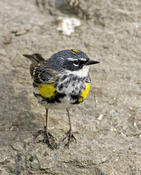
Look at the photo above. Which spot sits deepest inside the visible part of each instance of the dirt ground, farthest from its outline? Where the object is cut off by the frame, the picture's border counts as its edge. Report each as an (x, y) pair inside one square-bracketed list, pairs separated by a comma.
[(108, 124)]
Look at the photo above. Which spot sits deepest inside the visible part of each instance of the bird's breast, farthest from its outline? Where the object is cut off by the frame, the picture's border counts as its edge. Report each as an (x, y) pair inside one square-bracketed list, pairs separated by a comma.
[(68, 89), (75, 87)]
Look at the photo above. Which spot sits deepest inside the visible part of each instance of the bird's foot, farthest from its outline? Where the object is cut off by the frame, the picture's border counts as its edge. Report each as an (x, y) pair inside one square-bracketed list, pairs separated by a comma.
[(70, 138), (48, 138)]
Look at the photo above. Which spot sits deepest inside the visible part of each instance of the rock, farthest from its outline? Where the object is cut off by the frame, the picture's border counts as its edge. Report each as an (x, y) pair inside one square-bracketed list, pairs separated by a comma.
[(2, 52), (67, 25), (107, 125), (7, 39), (18, 146)]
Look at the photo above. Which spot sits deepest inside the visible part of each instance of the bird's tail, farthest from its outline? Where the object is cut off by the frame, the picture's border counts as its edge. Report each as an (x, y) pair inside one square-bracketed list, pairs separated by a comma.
[(35, 58)]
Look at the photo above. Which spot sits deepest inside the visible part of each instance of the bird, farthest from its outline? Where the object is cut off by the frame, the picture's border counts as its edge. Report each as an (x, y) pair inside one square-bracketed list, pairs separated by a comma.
[(60, 82)]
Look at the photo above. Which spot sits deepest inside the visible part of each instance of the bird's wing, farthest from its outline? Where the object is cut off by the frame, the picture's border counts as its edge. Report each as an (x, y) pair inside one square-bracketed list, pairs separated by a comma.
[(42, 74), (39, 69)]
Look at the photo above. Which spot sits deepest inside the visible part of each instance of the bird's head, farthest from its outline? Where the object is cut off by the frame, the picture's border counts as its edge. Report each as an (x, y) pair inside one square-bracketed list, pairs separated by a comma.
[(71, 60)]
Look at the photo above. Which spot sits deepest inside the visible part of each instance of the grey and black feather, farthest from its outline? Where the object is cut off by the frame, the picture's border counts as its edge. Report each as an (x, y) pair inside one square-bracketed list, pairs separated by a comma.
[(39, 70)]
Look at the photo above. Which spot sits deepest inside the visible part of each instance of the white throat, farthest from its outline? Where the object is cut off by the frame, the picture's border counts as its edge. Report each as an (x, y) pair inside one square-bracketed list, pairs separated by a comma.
[(80, 73)]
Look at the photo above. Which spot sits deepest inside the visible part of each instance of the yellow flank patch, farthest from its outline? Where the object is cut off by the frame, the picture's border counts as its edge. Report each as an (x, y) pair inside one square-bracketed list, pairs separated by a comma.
[(84, 93), (47, 90), (75, 51)]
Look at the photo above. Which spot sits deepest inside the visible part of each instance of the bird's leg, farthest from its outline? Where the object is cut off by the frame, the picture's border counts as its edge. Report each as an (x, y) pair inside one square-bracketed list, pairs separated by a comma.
[(46, 120), (70, 137), (45, 127), (48, 138)]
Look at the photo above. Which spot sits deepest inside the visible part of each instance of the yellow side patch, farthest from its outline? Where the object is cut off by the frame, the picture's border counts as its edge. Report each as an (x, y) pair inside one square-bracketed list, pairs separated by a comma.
[(84, 93), (74, 51), (47, 90)]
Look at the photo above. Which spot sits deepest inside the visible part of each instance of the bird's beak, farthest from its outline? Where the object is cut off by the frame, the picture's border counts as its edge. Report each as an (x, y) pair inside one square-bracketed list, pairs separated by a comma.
[(92, 62)]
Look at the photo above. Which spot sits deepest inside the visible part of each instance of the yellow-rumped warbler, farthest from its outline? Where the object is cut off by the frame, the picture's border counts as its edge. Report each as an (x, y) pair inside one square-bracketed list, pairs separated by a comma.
[(62, 81)]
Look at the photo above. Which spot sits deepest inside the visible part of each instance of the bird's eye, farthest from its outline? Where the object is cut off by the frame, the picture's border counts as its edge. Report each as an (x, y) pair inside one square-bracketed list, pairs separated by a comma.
[(76, 63)]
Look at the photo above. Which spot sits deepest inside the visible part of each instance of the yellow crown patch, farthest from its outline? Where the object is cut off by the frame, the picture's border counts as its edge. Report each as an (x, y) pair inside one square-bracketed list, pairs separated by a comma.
[(75, 51)]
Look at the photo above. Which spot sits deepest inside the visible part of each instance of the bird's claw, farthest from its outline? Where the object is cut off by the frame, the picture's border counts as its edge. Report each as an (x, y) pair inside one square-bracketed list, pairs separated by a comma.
[(48, 139), (70, 138)]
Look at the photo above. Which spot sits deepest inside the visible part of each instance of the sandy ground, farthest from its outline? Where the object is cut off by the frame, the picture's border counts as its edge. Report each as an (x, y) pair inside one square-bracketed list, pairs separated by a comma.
[(107, 127)]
